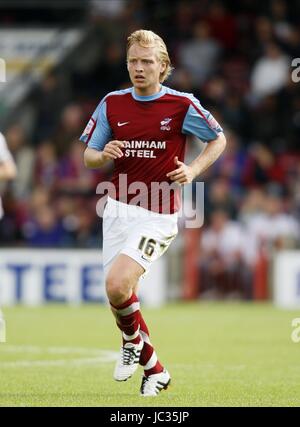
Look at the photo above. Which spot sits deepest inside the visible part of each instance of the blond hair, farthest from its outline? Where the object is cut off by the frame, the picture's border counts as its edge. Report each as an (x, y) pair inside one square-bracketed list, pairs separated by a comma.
[(146, 38)]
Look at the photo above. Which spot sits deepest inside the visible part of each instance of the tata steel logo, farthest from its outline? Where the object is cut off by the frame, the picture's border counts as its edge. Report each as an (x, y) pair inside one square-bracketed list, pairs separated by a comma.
[(2, 71)]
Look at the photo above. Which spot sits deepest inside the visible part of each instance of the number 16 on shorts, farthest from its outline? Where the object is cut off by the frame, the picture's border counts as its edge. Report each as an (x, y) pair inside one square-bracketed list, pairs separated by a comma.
[(148, 245)]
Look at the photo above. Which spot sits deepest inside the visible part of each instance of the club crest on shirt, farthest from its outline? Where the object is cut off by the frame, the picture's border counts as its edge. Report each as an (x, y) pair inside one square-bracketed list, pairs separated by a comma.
[(89, 127), (165, 124)]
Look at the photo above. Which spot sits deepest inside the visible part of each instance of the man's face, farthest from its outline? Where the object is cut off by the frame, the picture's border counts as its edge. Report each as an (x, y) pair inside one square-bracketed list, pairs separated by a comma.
[(144, 68)]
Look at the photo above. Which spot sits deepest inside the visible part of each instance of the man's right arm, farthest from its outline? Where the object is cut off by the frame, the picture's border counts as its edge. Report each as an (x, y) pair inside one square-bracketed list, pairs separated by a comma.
[(97, 135), (95, 159)]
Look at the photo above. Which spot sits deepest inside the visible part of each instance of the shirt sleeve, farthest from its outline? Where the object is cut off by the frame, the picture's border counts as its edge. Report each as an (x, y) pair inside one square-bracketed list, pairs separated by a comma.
[(200, 122), (97, 132), (5, 154)]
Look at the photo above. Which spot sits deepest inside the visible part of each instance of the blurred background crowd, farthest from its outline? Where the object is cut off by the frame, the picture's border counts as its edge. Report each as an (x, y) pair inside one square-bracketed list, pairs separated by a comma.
[(236, 59)]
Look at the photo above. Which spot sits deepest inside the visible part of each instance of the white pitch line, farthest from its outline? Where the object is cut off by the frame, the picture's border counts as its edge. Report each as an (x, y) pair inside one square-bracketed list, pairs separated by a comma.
[(97, 356), (55, 350), (63, 362), (208, 366)]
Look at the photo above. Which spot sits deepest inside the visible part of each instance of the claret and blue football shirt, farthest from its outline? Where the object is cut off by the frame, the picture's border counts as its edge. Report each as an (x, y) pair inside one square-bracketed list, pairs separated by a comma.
[(154, 130)]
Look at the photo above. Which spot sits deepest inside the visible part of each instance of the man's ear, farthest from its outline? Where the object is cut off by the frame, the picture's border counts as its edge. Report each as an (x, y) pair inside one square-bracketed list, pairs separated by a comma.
[(163, 67)]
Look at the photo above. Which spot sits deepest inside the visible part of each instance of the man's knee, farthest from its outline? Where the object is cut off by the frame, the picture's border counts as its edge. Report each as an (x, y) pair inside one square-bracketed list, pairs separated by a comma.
[(118, 287)]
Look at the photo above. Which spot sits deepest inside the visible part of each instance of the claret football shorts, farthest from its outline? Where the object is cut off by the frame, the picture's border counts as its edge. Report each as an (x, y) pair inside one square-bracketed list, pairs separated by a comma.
[(136, 232)]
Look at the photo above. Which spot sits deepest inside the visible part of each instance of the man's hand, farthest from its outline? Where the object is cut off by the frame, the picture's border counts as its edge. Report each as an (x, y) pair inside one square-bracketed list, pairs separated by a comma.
[(183, 174), (112, 150), (96, 159)]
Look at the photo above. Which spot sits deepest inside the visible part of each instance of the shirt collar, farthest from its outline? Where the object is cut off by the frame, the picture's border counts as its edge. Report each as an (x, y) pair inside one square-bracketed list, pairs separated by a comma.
[(149, 97)]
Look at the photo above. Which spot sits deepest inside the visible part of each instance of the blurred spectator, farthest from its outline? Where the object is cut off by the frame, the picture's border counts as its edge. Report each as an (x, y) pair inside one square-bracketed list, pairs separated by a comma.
[(43, 229), (39, 197), (103, 10), (263, 31), (215, 91), (72, 176), (271, 71), (112, 65), (266, 122), (273, 226), (87, 232), (232, 162), (282, 28), (234, 112), (24, 157), (223, 25), (184, 18), (262, 167), (253, 204), (48, 101), (200, 54), (222, 265), (181, 80), (292, 42), (236, 71), (220, 197), (46, 168), (69, 128)]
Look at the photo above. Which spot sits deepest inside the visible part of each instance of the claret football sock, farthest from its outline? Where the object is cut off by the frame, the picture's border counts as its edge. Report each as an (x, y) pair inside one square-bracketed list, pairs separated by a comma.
[(128, 319), (134, 328), (148, 358)]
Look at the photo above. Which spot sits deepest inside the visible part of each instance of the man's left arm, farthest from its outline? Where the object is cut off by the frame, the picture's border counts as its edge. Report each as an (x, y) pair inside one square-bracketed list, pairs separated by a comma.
[(200, 123), (185, 174)]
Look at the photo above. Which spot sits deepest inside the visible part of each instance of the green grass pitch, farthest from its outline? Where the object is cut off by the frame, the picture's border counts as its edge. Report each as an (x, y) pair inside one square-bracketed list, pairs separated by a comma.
[(219, 354)]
